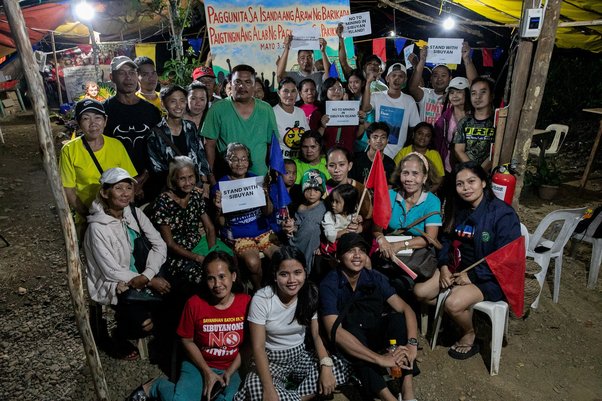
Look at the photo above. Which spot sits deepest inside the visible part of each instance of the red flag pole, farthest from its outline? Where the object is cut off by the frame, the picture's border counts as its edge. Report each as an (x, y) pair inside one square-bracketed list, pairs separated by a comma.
[(359, 205)]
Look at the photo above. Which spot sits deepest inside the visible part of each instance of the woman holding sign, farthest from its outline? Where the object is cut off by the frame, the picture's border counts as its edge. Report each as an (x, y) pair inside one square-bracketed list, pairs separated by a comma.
[(247, 230), (343, 136)]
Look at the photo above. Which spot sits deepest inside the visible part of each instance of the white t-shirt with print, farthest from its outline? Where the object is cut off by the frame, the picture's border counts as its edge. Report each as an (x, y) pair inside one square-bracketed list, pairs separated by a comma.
[(399, 113), (431, 106), (290, 128)]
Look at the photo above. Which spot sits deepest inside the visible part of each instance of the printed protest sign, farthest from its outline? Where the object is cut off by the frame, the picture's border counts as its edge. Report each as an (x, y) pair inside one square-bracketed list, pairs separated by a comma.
[(242, 194), (306, 39), (253, 31), (406, 54), (356, 25), (343, 112), (444, 51)]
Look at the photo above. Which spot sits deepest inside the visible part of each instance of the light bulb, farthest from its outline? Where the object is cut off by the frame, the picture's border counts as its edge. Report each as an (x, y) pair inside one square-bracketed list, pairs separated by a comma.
[(84, 11), (449, 23)]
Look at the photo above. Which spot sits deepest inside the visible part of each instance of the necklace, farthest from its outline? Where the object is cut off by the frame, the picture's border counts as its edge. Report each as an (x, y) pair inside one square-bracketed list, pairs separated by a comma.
[(153, 94)]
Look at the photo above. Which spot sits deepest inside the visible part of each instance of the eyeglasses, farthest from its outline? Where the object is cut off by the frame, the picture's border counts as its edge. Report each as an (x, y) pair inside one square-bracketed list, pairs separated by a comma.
[(236, 160), (336, 89)]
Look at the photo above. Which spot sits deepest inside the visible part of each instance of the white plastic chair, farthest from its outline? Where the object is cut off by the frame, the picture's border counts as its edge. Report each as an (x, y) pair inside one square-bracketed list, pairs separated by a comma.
[(588, 236), (542, 249), (497, 312), (560, 132)]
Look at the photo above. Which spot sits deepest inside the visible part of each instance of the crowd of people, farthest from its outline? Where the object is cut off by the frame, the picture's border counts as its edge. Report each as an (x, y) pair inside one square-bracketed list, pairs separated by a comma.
[(313, 284)]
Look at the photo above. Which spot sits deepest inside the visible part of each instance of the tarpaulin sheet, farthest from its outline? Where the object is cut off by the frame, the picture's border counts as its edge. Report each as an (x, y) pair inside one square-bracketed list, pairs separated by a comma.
[(585, 37)]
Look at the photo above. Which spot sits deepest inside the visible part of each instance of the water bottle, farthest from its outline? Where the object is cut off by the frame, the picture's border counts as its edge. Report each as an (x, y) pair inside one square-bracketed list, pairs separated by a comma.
[(395, 371)]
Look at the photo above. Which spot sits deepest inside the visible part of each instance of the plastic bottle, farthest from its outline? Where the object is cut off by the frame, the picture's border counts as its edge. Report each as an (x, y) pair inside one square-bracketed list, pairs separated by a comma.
[(395, 371)]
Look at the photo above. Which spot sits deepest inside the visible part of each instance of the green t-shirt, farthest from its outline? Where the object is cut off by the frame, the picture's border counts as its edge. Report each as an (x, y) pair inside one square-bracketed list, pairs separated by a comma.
[(477, 135), (302, 167), (225, 126)]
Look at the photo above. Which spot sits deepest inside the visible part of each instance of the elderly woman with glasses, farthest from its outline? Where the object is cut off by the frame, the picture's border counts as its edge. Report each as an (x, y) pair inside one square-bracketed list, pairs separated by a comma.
[(248, 230), (341, 135)]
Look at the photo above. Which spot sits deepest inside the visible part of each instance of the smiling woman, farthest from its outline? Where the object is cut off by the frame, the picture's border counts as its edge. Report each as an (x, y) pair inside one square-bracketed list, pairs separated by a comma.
[(279, 317), (85, 158)]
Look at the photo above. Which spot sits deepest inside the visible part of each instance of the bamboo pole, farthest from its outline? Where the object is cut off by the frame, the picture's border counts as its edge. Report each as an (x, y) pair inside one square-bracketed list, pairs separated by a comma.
[(40, 108), (537, 83), (56, 68)]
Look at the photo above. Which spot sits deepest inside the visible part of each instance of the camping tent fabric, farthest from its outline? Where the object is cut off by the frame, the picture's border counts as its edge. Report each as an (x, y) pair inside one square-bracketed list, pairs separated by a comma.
[(509, 12)]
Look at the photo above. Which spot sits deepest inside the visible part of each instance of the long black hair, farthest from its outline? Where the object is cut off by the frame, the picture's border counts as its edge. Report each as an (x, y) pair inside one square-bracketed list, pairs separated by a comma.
[(458, 205), (307, 297)]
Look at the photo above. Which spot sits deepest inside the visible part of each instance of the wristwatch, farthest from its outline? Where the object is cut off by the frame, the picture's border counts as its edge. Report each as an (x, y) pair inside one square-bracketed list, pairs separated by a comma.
[(326, 361), (406, 244), (413, 341)]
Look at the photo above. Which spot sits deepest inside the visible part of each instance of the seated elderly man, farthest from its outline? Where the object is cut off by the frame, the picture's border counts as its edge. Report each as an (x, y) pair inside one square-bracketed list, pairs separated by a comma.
[(361, 313)]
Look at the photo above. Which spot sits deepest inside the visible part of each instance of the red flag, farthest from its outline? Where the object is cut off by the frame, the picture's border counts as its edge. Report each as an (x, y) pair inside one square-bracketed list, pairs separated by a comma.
[(487, 57), (377, 180), (508, 265), (379, 48)]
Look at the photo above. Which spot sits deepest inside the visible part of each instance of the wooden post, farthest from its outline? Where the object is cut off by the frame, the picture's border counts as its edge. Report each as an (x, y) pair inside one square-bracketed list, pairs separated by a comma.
[(517, 97), (537, 83), (40, 108), (56, 68), (518, 86)]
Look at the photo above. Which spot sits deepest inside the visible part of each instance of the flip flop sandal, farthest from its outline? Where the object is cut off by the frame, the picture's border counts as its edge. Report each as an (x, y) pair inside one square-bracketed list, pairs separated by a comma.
[(472, 351)]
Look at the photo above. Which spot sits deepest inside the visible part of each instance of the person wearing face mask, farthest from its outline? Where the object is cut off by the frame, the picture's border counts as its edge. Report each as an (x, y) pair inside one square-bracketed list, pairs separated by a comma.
[(393, 107)]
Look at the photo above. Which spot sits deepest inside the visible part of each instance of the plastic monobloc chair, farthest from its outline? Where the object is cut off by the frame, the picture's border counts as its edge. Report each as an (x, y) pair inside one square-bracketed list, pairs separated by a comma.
[(588, 236), (560, 132), (542, 249), (497, 312)]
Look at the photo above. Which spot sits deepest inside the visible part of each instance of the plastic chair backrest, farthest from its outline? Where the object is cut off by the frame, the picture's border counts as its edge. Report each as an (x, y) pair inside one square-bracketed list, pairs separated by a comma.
[(525, 233), (569, 217), (560, 132), (593, 226)]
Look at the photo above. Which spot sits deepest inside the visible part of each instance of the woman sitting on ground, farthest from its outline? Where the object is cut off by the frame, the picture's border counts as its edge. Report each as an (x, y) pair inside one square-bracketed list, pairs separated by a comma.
[(247, 230), (181, 216), (211, 330), (111, 266), (416, 213), (279, 317), (480, 225)]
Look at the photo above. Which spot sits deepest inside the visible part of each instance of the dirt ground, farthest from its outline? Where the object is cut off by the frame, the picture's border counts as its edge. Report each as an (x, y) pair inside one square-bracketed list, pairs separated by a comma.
[(555, 354)]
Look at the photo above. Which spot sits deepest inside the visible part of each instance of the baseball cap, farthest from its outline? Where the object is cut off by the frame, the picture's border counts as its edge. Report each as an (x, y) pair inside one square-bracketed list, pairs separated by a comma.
[(457, 83), (396, 67), (202, 71), (349, 241), (115, 175), (313, 179), (91, 105), (120, 61)]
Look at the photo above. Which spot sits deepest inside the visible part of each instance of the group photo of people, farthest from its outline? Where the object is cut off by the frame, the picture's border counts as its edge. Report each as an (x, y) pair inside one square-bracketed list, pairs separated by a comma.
[(238, 228)]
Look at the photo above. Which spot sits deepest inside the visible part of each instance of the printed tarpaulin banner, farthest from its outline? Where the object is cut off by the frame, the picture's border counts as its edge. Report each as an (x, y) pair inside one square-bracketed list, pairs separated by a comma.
[(253, 31)]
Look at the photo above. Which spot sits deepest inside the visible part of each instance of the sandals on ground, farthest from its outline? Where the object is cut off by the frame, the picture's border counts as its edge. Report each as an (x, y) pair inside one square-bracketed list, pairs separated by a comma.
[(473, 349)]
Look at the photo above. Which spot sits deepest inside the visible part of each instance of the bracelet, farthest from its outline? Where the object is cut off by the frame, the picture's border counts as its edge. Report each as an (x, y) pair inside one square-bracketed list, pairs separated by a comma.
[(326, 361)]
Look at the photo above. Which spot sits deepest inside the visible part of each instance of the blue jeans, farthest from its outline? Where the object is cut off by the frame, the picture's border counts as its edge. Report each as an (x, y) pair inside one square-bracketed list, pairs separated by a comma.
[(190, 386)]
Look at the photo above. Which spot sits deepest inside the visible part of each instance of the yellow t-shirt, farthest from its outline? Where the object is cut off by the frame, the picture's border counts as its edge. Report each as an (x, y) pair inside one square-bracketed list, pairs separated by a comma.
[(79, 171), (433, 156), (155, 102)]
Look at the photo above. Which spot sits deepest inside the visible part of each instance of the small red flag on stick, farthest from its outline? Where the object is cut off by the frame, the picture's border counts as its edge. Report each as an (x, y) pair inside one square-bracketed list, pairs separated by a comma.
[(508, 265), (377, 180)]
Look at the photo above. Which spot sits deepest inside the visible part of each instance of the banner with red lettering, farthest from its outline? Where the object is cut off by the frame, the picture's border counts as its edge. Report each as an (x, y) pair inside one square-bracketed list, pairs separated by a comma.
[(253, 31)]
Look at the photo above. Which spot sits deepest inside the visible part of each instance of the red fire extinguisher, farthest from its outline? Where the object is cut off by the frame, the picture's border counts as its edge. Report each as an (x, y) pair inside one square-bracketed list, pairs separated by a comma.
[(503, 183)]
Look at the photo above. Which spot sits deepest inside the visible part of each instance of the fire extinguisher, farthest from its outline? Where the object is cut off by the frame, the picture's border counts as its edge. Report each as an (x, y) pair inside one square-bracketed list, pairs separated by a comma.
[(503, 183)]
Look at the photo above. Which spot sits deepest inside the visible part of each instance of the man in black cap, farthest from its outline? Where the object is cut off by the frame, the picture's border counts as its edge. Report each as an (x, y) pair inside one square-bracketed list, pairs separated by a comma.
[(131, 119), (354, 306)]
